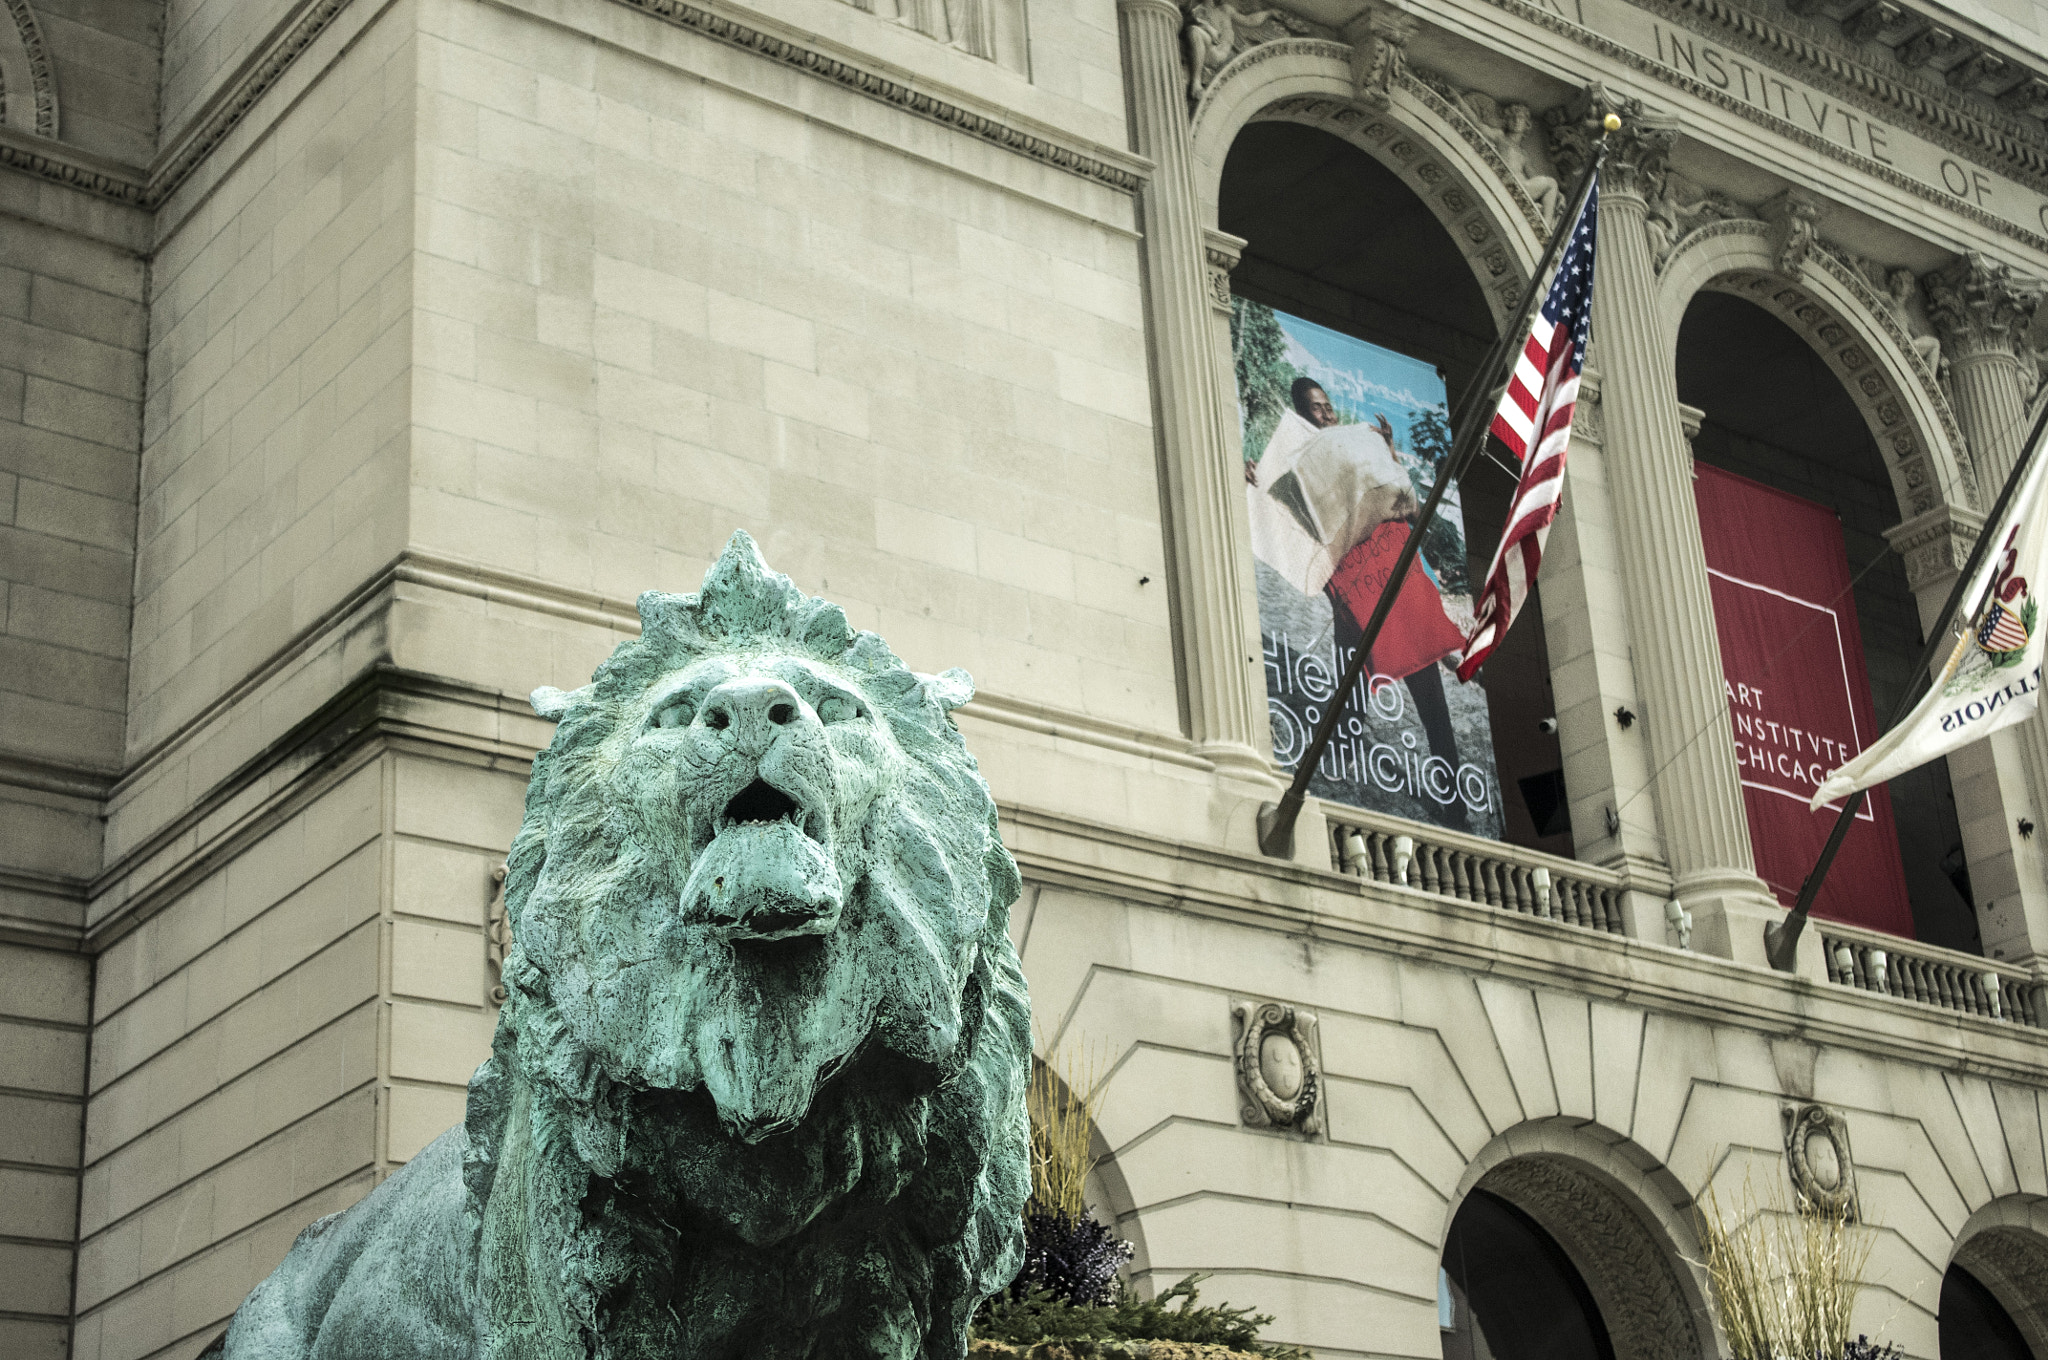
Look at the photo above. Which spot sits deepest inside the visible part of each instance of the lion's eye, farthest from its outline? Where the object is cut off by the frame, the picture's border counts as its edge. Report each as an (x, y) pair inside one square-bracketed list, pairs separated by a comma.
[(675, 713), (837, 708)]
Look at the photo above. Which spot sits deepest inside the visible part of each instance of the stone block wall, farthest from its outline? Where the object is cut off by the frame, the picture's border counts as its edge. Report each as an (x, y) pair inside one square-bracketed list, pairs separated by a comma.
[(275, 1040), (236, 1045), (44, 998), (72, 326), (664, 292), (104, 60), (280, 337)]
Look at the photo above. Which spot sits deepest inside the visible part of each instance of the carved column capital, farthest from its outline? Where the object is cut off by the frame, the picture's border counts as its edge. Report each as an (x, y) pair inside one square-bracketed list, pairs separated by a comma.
[(1981, 307), (1637, 152), (1379, 40), (1795, 217), (1223, 252), (1690, 418), (1936, 545)]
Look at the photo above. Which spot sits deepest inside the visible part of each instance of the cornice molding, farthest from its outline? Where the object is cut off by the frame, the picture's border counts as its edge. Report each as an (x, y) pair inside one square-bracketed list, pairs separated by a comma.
[(222, 114), (1946, 115), (1121, 174), (1636, 61), (1400, 922), (73, 168), (23, 771)]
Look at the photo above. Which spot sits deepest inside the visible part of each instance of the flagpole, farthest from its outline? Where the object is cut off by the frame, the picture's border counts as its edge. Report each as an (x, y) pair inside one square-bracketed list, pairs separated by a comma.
[(1781, 938), (1276, 820)]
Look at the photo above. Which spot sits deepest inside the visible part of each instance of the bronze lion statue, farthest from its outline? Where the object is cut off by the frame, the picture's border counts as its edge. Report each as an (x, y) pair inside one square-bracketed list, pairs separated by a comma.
[(757, 1088)]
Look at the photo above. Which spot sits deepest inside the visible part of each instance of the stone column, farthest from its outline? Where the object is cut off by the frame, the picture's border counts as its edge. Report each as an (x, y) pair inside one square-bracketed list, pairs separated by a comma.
[(1663, 568), (1983, 313), (1215, 599), (1585, 624)]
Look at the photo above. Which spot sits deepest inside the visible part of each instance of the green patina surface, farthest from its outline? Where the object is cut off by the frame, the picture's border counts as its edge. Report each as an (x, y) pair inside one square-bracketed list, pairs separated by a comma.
[(758, 1088)]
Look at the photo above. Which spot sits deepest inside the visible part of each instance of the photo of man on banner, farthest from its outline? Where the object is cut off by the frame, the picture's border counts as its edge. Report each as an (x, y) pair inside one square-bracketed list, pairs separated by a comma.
[(1332, 502)]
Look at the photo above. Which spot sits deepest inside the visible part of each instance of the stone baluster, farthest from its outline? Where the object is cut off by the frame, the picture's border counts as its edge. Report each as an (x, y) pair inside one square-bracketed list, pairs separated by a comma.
[(1215, 599), (1663, 567), (1983, 314)]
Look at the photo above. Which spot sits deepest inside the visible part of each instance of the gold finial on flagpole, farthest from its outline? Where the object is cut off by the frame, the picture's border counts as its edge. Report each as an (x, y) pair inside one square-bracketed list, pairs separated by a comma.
[(1612, 122)]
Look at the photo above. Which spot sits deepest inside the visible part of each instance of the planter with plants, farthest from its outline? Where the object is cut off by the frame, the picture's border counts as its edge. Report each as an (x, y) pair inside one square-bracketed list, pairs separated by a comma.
[(1067, 1302), (1786, 1280)]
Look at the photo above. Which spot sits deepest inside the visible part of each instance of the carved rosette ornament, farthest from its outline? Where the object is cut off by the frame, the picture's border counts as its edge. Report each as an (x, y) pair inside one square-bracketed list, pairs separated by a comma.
[(1817, 1158), (1278, 1080), (1981, 308)]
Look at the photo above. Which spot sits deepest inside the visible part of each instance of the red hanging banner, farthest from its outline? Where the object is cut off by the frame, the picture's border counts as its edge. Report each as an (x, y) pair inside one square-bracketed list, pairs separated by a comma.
[(1798, 693)]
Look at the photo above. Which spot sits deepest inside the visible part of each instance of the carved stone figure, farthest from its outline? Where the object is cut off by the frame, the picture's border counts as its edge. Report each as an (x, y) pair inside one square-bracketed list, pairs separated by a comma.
[(1817, 1158), (1679, 207), (1903, 290), (1215, 31), (1505, 126), (758, 1083), (1277, 1075)]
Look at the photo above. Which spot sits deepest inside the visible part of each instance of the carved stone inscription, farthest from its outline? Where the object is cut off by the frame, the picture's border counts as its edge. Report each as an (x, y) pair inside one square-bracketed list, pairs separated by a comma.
[(1731, 78)]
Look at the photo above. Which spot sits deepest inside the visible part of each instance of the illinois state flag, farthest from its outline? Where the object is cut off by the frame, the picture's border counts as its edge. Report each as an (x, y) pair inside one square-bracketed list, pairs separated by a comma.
[(1992, 678)]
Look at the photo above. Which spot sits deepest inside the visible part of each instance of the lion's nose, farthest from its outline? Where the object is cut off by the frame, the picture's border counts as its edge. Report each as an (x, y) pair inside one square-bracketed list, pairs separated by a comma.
[(752, 710)]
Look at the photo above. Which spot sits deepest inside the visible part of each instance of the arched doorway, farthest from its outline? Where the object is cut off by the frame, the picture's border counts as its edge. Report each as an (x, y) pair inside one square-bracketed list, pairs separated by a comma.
[(1338, 239), (1994, 1296), (1974, 1324), (1508, 1291), (1803, 434), (1556, 1193)]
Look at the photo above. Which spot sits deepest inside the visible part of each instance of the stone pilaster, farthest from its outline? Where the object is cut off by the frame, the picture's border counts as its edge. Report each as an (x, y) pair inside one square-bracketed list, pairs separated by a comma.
[(1585, 624), (1215, 600), (1983, 313), (1663, 568)]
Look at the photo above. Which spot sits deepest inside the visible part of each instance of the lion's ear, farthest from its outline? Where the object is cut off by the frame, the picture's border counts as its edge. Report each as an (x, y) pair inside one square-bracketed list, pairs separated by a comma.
[(949, 689), (550, 702)]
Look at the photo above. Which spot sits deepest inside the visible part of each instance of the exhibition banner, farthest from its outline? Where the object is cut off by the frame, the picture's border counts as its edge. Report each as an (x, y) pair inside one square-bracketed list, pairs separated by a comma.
[(1798, 693), (1343, 441)]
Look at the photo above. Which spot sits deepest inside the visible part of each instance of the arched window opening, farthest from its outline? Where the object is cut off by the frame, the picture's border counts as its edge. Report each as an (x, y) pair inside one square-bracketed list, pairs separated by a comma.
[(1341, 251), (1775, 416), (1507, 1291), (1974, 1325)]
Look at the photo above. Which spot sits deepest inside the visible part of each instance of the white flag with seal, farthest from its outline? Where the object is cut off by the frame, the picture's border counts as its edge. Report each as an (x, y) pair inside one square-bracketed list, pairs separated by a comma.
[(1992, 678)]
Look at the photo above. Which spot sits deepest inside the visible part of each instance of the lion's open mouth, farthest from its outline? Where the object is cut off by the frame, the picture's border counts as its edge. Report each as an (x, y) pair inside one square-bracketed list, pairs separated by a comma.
[(761, 801)]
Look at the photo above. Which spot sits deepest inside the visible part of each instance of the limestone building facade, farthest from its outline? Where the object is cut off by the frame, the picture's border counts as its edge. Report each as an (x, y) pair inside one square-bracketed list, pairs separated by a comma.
[(360, 360)]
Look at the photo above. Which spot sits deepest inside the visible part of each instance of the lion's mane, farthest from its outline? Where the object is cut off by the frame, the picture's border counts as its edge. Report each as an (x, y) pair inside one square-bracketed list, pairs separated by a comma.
[(812, 1147)]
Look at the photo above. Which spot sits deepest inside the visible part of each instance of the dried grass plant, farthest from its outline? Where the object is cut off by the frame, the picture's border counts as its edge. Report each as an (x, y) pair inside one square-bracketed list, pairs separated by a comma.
[(1062, 1099), (1786, 1278)]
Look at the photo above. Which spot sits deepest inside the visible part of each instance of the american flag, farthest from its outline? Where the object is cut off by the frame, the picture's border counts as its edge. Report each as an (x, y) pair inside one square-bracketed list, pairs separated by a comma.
[(1535, 420), (2002, 630)]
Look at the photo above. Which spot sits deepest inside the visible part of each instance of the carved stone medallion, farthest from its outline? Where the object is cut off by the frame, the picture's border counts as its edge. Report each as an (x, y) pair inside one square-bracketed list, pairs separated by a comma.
[(1278, 1081), (1817, 1158)]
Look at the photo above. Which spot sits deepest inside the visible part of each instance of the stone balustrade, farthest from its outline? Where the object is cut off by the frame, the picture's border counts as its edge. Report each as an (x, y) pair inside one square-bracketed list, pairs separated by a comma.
[(1386, 850), (1930, 975)]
